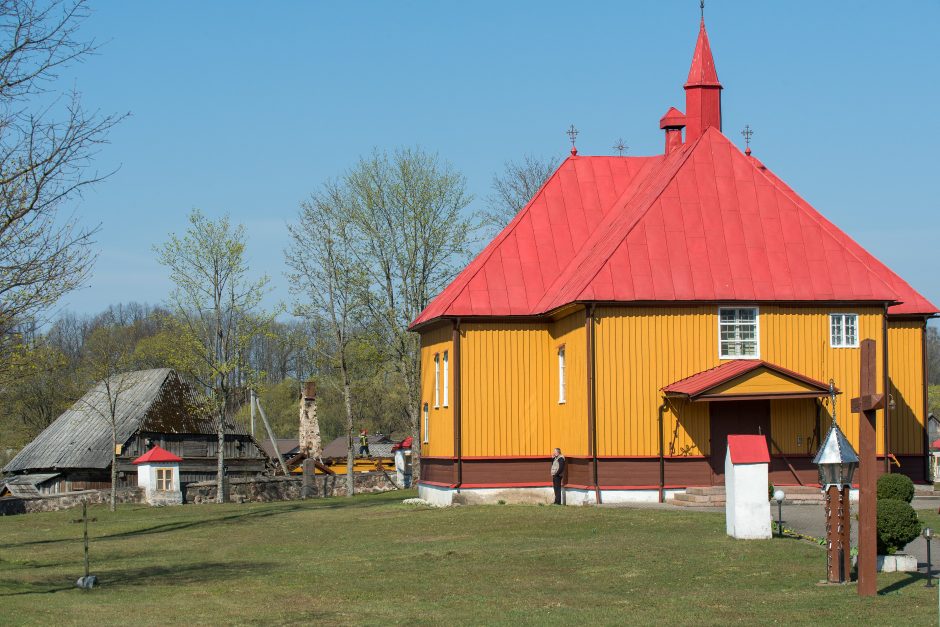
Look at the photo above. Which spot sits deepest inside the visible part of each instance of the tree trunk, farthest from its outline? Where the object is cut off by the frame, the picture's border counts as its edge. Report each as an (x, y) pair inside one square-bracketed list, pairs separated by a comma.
[(411, 367), (220, 480), (347, 400), (114, 471)]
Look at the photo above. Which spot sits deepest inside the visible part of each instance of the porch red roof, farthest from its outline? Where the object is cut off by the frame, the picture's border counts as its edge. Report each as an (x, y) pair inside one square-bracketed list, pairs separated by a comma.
[(157, 454), (748, 449), (701, 382)]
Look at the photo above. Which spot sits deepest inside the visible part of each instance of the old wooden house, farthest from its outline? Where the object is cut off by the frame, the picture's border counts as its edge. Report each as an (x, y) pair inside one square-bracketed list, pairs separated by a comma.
[(641, 308), (153, 407)]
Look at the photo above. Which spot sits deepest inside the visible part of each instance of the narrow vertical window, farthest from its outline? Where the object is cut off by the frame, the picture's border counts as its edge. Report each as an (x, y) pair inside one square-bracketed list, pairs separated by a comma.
[(437, 380), (425, 423), (446, 380), (561, 374), (843, 330)]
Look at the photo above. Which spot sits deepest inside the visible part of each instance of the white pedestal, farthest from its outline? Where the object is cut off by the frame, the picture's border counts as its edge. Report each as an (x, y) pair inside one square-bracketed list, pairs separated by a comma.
[(747, 507)]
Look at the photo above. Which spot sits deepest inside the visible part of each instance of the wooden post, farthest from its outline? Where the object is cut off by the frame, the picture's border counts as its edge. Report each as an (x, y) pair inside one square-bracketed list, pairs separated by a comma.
[(85, 524), (307, 483), (867, 404), (838, 542)]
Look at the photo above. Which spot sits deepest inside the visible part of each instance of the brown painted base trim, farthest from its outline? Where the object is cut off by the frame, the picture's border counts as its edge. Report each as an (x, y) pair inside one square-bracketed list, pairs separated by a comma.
[(626, 473)]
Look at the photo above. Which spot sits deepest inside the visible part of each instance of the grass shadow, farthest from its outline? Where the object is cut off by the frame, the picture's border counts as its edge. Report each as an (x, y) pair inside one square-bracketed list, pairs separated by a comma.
[(152, 575), (911, 579)]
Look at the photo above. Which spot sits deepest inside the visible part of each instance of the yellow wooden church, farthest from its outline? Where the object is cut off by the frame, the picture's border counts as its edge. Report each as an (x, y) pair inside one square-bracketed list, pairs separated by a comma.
[(640, 309)]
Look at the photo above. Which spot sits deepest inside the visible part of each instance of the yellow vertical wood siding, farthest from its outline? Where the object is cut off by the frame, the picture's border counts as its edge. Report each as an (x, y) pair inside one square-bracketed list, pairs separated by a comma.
[(510, 388), (642, 349), (440, 420), (906, 373)]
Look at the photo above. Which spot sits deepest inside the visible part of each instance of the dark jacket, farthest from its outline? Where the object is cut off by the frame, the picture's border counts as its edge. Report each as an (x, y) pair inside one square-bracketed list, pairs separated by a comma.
[(558, 466)]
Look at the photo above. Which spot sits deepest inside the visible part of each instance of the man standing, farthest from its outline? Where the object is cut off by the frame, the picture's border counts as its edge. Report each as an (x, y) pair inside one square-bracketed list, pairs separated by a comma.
[(364, 443), (558, 472)]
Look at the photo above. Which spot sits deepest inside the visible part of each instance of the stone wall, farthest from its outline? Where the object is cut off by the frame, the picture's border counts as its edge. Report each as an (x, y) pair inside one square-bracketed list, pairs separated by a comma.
[(10, 505), (263, 489)]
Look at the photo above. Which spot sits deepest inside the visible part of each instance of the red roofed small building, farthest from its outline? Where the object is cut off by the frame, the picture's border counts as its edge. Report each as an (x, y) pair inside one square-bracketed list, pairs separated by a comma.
[(638, 310), (158, 473)]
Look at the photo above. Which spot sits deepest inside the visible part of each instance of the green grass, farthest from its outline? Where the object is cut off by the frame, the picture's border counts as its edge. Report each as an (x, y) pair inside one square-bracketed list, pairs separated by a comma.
[(374, 560)]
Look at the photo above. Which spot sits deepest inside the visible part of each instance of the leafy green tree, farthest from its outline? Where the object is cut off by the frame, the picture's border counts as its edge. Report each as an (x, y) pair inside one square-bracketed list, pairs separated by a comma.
[(218, 308), (408, 212), (329, 285)]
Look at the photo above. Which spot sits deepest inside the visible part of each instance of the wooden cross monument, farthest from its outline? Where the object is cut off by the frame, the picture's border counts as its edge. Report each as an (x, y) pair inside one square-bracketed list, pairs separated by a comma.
[(867, 404)]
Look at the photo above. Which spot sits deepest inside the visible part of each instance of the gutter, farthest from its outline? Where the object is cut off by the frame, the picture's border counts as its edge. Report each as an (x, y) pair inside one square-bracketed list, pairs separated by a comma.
[(591, 399), (662, 454), (458, 444)]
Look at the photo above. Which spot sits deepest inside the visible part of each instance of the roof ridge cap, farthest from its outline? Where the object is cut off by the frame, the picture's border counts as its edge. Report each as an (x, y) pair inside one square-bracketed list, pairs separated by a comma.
[(478, 262), (684, 153)]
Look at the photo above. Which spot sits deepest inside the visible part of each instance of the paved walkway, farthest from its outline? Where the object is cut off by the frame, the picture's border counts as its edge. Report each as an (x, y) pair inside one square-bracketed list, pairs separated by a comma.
[(810, 520)]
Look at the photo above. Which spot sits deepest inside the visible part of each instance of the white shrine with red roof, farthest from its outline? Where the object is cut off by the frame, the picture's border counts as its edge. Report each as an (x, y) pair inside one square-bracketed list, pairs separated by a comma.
[(638, 310), (158, 473)]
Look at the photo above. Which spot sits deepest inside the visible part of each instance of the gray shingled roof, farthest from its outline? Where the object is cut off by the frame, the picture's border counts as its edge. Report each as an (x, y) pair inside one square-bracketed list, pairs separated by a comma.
[(379, 446), (150, 400)]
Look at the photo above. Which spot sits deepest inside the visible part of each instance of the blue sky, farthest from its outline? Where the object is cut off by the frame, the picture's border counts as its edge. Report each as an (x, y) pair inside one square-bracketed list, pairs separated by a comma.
[(246, 108)]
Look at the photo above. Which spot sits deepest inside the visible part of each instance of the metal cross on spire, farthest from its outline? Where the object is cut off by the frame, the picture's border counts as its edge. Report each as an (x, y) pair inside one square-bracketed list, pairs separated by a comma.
[(747, 132), (701, 6), (572, 135), (621, 147)]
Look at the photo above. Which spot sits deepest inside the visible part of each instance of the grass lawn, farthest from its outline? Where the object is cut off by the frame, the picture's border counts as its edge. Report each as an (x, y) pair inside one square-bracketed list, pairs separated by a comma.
[(374, 560)]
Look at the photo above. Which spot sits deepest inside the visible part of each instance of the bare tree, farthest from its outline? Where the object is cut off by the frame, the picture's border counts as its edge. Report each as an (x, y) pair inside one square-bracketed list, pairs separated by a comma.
[(216, 306), (47, 141), (328, 281), (109, 351), (514, 187), (408, 211)]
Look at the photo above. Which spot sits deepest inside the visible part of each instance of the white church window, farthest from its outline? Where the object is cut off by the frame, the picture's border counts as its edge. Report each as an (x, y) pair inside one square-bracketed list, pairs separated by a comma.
[(425, 423), (437, 380), (446, 380), (561, 374), (738, 333), (843, 330)]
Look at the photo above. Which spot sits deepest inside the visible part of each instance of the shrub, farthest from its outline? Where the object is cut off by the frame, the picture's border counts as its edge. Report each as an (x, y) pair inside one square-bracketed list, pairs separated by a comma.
[(897, 525), (897, 487)]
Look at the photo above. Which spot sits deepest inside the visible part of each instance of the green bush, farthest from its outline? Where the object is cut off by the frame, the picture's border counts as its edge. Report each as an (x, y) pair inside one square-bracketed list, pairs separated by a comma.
[(897, 525), (897, 487)]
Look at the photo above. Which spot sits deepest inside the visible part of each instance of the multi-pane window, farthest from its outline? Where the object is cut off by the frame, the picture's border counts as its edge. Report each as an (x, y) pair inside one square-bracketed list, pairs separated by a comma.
[(737, 333), (164, 479), (437, 380), (425, 423), (446, 380), (843, 330), (561, 374)]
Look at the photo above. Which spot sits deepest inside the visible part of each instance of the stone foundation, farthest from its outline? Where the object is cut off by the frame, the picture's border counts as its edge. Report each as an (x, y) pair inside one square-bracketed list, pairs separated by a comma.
[(264, 489), (18, 505)]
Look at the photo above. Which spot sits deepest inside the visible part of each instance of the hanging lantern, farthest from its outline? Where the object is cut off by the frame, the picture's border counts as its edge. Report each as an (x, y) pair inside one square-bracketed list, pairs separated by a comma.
[(836, 458)]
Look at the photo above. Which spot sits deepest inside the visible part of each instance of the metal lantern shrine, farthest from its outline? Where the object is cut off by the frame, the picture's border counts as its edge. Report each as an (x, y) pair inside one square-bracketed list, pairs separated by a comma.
[(836, 458), (837, 462)]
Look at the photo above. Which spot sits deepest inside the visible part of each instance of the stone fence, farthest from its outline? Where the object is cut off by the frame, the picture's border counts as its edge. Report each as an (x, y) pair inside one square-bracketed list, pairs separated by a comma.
[(263, 489), (10, 505)]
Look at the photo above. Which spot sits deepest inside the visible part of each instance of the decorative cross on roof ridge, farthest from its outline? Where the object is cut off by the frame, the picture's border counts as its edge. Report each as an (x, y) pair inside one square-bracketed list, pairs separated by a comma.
[(572, 133), (747, 132), (701, 6), (620, 146)]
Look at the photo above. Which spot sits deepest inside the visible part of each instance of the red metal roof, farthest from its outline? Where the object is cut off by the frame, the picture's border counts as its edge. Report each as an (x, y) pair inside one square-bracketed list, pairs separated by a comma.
[(701, 382), (157, 454), (702, 72), (704, 223), (748, 449)]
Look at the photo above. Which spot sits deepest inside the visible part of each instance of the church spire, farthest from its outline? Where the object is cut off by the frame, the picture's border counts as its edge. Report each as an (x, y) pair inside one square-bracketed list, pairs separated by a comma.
[(702, 90)]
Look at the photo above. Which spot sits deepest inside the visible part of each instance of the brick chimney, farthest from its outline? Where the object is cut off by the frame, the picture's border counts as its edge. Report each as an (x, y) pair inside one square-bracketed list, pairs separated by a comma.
[(673, 123)]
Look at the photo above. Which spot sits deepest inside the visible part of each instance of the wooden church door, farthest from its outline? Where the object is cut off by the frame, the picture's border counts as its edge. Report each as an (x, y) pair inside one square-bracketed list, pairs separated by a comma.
[(734, 418)]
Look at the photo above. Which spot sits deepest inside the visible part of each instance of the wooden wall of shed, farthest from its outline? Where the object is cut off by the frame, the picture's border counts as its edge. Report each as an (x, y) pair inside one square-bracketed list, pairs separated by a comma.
[(906, 377)]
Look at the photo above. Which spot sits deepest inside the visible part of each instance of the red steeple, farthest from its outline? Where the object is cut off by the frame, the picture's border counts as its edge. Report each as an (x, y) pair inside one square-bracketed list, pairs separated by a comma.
[(702, 90)]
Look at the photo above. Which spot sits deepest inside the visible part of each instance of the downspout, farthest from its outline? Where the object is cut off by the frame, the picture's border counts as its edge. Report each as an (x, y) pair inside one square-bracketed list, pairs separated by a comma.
[(923, 338), (887, 389), (662, 454), (591, 400), (458, 445)]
